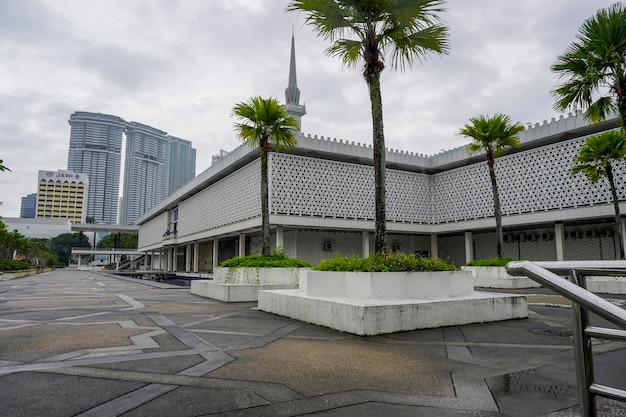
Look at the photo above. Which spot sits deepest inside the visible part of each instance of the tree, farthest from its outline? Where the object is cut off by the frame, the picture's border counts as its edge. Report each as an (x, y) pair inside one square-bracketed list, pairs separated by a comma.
[(406, 30), (126, 240), (265, 124), (593, 68), (2, 167), (493, 135), (62, 245), (595, 160)]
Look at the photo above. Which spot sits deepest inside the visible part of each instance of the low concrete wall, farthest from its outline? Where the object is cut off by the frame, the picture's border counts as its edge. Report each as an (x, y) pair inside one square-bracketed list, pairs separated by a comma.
[(497, 277), (607, 285), (256, 275), (7, 275), (244, 284)]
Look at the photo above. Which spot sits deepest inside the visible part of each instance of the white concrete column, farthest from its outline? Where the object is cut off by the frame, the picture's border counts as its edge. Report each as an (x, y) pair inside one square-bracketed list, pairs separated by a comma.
[(196, 254), (365, 243), (242, 244), (145, 261), (188, 258), (279, 237), (174, 259), (79, 259), (161, 260), (434, 246), (623, 234), (559, 239), (215, 252), (469, 247)]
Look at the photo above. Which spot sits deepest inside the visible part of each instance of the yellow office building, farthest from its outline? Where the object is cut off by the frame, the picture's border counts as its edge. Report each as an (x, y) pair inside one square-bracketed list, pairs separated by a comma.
[(62, 195)]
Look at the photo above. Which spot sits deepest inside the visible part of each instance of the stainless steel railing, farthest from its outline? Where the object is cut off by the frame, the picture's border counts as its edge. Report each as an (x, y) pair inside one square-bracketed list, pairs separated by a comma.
[(550, 275)]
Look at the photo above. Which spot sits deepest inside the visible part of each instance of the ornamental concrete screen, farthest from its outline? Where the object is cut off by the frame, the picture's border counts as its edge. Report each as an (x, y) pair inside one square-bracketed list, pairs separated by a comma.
[(322, 203)]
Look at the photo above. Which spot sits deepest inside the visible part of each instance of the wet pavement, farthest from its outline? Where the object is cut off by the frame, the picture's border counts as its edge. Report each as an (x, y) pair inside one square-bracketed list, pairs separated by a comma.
[(78, 343)]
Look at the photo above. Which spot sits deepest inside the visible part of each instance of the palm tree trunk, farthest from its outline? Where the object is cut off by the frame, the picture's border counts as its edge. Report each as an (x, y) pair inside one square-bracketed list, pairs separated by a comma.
[(380, 241), (618, 216), (496, 204), (265, 212)]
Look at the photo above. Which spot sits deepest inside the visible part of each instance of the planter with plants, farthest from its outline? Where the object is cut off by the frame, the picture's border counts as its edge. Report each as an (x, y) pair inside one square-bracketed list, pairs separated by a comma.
[(491, 273), (380, 295), (241, 278)]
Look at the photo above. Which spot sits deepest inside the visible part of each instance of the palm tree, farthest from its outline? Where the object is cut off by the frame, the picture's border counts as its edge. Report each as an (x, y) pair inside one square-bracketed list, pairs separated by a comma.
[(595, 160), (594, 67), (407, 30), (493, 135), (265, 124)]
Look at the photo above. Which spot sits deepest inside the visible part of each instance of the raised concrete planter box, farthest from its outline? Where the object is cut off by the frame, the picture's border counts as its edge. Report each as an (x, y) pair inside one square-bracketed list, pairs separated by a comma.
[(497, 277), (378, 303), (607, 285), (244, 284)]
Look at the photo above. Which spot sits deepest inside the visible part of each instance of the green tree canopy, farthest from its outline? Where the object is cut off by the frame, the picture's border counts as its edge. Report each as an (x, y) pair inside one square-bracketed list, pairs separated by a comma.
[(126, 240), (62, 245), (265, 124), (593, 67), (371, 31), (596, 159), (493, 135)]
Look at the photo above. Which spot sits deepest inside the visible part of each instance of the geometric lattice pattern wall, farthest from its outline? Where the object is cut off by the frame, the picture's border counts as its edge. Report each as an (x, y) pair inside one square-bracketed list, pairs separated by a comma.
[(319, 187), (152, 232), (530, 181), (234, 198)]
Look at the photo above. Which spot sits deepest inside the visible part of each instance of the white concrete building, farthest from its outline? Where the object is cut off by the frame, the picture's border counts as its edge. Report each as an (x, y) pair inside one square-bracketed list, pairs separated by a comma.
[(321, 203)]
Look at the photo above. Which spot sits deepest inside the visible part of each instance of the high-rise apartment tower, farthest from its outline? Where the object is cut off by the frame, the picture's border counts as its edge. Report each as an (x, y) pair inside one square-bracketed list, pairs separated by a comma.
[(96, 150)]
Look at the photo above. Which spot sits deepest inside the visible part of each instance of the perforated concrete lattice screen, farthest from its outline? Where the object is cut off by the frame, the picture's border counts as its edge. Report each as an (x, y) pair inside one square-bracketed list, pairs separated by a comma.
[(232, 199), (318, 187), (530, 181)]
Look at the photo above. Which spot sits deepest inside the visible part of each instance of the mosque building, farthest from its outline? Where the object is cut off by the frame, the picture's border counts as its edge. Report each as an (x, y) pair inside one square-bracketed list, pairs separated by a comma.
[(321, 199)]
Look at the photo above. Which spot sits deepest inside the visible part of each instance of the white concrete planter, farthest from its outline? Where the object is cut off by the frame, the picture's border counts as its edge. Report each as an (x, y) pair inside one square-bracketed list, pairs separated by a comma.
[(497, 277), (378, 303), (607, 285), (244, 284)]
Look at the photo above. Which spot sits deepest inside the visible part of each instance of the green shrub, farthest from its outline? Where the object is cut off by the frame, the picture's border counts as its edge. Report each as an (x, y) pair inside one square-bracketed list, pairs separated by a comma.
[(277, 259), (490, 262), (11, 265), (395, 262)]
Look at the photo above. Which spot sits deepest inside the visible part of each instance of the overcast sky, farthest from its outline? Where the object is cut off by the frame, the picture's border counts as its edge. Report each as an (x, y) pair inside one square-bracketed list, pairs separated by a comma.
[(180, 66)]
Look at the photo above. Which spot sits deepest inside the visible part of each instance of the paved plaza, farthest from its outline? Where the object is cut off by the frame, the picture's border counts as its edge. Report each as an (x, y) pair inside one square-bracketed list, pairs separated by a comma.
[(78, 343)]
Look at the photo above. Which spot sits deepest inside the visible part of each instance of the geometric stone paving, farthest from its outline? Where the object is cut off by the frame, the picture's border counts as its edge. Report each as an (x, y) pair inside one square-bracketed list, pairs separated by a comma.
[(76, 343)]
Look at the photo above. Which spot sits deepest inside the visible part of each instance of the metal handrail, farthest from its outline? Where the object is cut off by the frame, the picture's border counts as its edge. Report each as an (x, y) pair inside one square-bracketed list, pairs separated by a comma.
[(583, 302)]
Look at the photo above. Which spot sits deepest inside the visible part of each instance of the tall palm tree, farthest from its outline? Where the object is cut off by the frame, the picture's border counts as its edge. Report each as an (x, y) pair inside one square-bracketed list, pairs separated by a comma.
[(265, 124), (595, 160), (406, 30), (593, 67), (493, 135)]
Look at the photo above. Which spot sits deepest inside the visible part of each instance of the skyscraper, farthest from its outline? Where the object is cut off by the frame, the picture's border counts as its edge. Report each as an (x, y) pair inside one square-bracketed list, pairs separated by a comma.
[(28, 209), (62, 195), (96, 150), (145, 170), (181, 164), (292, 92)]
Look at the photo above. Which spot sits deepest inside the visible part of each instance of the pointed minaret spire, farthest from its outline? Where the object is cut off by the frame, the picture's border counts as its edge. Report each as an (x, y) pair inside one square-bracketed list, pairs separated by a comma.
[(292, 93)]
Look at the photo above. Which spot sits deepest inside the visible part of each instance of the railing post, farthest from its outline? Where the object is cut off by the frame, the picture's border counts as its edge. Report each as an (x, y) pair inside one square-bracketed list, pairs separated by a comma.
[(583, 353)]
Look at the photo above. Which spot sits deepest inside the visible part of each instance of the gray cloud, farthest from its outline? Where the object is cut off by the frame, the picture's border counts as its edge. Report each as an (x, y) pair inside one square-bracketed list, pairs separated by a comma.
[(180, 66)]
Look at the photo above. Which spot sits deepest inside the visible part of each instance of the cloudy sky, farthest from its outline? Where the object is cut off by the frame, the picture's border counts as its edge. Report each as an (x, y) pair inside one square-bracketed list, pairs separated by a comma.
[(180, 65)]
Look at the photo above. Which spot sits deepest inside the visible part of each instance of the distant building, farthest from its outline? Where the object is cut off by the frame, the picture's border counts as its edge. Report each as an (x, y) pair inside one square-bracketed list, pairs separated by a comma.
[(156, 164), (181, 164), (62, 195), (96, 150), (144, 170), (29, 206)]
